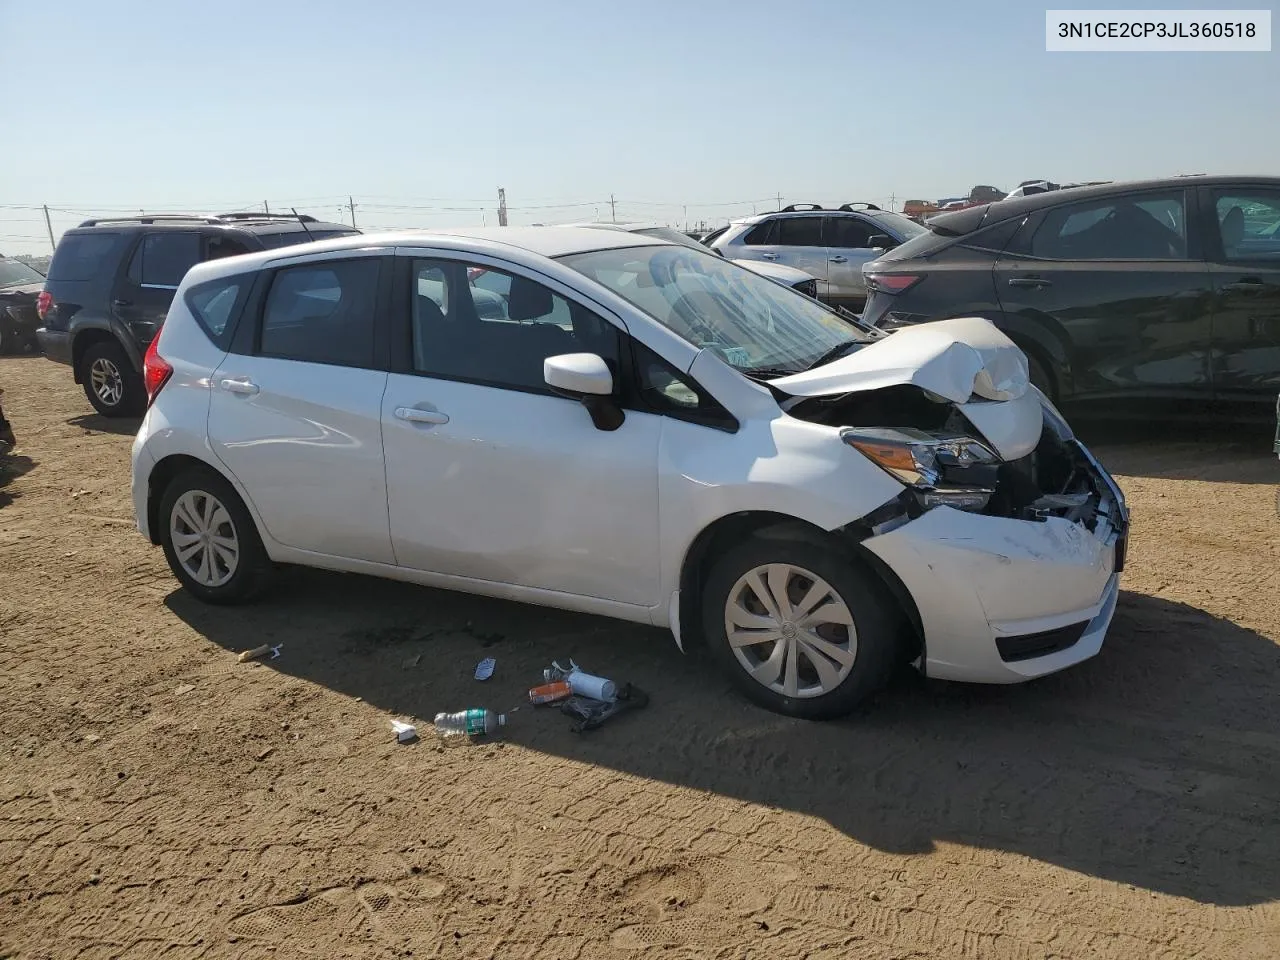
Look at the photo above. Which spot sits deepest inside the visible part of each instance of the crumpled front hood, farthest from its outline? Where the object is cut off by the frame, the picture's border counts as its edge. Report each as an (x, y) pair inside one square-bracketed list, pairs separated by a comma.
[(956, 359)]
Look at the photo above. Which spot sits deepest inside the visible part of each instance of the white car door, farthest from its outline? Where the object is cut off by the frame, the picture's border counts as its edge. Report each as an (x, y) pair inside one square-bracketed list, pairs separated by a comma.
[(798, 243), (296, 416), (793, 240), (492, 477), (847, 237)]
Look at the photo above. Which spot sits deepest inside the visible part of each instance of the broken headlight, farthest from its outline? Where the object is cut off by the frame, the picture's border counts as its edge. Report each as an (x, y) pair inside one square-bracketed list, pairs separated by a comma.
[(943, 469)]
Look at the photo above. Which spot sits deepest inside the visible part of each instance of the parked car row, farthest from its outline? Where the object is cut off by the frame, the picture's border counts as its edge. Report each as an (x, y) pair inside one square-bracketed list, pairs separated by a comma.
[(830, 245), (20, 284), (1160, 289)]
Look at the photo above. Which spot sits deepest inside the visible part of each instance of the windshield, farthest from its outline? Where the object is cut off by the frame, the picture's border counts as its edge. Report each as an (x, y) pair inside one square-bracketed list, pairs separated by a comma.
[(754, 324), (671, 235), (905, 226), (13, 272)]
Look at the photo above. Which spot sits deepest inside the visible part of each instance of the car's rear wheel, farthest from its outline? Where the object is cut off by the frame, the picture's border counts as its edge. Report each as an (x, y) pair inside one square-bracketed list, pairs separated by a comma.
[(800, 626), (110, 382), (210, 539), (1040, 377)]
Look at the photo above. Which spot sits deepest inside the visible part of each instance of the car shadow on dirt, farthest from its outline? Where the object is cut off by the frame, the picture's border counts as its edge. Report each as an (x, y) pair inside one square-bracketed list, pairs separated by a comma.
[(1224, 452), (1155, 764), (96, 423), (12, 467)]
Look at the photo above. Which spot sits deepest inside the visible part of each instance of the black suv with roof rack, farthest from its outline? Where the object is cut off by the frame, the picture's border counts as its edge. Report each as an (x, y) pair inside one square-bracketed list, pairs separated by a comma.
[(111, 281)]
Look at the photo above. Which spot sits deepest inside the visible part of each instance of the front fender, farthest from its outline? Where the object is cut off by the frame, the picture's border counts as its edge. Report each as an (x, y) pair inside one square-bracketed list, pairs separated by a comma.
[(784, 468), (118, 330)]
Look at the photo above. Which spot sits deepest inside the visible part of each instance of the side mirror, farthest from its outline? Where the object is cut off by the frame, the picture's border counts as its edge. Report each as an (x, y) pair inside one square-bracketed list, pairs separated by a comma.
[(881, 241), (585, 377)]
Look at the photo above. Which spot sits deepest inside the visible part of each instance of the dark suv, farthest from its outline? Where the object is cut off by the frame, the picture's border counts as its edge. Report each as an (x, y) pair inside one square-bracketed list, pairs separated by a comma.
[(111, 281), (1158, 289)]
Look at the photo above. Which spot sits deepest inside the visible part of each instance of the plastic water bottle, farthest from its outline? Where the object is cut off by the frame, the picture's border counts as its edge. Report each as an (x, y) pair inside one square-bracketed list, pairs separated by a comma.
[(473, 722)]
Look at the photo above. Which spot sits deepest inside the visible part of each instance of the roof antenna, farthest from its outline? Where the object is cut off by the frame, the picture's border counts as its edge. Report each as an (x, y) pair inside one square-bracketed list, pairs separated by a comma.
[(294, 211)]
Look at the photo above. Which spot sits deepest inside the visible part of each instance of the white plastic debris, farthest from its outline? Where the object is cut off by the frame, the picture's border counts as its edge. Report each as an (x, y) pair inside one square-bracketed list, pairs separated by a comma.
[(484, 669), (405, 732)]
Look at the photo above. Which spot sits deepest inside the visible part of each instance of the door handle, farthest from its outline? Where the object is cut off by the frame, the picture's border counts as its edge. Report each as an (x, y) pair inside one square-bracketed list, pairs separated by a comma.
[(838, 259), (122, 303), (1246, 285), (415, 415), (768, 256), (1030, 282), (244, 388)]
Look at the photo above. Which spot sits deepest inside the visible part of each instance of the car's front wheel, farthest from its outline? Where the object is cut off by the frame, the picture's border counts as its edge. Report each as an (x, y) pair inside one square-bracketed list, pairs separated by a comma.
[(210, 539), (112, 385), (802, 628)]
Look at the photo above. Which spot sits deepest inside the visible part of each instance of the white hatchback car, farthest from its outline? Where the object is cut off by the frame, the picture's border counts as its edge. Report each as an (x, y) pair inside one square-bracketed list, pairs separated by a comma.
[(603, 422)]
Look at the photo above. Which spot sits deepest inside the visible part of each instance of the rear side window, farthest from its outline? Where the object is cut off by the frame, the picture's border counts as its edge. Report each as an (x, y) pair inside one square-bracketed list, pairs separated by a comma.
[(290, 237), (920, 245), (215, 304), (84, 256), (848, 232), (995, 238), (322, 313), (760, 235), (163, 259), (800, 232), (1142, 227)]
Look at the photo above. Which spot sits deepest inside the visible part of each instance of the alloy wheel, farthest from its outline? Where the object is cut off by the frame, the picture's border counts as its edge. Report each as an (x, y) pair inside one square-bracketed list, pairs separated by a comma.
[(107, 383), (790, 630), (204, 538)]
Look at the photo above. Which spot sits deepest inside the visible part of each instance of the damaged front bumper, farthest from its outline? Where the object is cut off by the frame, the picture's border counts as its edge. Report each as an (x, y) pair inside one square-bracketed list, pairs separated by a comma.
[(1003, 599)]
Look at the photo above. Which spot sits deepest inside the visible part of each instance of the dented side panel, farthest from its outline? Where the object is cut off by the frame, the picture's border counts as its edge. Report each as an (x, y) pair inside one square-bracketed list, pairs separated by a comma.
[(783, 466)]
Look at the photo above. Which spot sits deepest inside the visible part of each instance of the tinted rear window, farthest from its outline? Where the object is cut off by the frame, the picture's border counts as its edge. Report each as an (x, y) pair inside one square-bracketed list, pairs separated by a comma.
[(290, 237), (84, 256), (918, 246)]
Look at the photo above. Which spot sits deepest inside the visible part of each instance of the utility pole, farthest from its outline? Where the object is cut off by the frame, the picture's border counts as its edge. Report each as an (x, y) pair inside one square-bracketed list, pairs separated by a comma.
[(686, 217), (893, 203), (613, 209), (52, 245), (351, 205), (265, 208), (502, 207), (779, 201)]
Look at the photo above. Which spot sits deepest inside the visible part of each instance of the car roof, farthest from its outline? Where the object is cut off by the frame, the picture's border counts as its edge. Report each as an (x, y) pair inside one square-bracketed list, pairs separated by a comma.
[(973, 218), (495, 241), (821, 212)]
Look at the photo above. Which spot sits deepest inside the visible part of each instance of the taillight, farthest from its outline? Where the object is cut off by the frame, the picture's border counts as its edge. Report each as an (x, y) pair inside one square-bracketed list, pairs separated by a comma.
[(892, 282), (44, 303), (156, 370)]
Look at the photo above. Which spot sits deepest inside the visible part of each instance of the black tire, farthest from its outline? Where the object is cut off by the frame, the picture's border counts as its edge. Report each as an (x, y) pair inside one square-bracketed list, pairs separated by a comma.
[(122, 392), (1040, 377), (8, 337), (252, 568), (877, 625)]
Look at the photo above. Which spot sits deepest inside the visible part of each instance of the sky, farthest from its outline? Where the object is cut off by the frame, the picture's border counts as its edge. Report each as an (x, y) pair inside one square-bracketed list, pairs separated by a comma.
[(680, 110)]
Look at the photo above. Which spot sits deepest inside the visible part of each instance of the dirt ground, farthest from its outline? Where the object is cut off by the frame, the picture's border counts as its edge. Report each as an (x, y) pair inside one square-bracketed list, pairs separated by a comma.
[(159, 799)]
